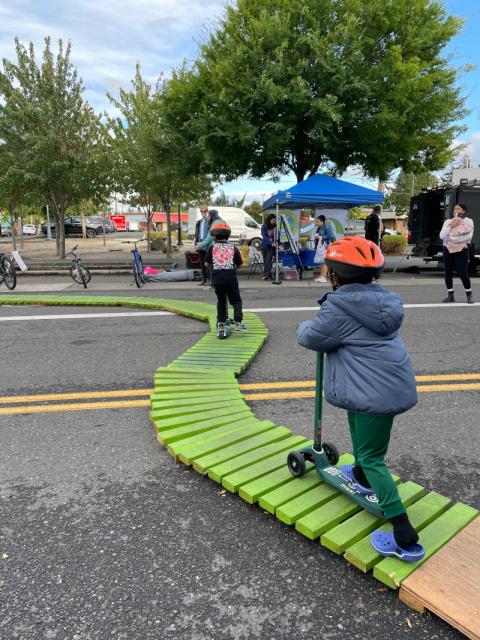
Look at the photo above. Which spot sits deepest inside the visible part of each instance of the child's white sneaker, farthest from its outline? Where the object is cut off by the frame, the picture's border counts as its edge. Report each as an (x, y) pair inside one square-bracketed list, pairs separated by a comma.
[(239, 326)]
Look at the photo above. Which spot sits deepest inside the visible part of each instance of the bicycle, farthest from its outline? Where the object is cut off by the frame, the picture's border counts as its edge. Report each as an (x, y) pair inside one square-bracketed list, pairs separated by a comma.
[(8, 273), (137, 267), (79, 273)]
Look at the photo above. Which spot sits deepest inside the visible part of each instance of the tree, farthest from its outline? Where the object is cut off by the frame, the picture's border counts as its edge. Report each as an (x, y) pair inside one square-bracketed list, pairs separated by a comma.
[(51, 142), (222, 200), (406, 186), (154, 162), (255, 210), (297, 85)]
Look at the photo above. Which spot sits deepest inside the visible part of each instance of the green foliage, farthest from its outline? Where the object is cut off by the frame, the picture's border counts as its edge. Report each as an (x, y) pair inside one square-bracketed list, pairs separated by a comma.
[(52, 145), (222, 200), (153, 160), (393, 245), (406, 186), (255, 210), (294, 85)]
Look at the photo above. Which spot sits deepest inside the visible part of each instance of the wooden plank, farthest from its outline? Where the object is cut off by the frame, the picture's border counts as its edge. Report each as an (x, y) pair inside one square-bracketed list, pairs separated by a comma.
[(297, 508), (185, 410), (245, 459), (206, 462), (205, 437), (358, 526), (172, 435), (235, 480), (296, 487), (421, 513), (328, 515), (165, 424), (188, 453), (448, 584), (252, 491), (392, 571)]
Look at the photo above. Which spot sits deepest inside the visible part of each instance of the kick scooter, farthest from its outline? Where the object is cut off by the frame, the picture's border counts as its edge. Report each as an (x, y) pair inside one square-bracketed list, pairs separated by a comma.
[(325, 455)]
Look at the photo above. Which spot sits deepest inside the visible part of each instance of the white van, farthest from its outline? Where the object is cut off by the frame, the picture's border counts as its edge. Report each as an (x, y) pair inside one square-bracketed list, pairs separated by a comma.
[(241, 224)]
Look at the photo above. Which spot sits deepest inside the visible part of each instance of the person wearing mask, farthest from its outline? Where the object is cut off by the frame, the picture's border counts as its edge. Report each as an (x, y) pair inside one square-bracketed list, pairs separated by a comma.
[(373, 225), (456, 235), (267, 247), (323, 236), (201, 232)]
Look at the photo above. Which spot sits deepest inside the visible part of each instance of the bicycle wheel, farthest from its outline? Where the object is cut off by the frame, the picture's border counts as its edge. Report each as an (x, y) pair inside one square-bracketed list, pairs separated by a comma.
[(138, 274), (80, 275), (85, 275), (9, 273)]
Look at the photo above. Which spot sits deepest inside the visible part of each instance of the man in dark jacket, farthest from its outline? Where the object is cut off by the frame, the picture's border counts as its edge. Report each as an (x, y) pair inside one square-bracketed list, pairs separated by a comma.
[(369, 374), (373, 225), (201, 232)]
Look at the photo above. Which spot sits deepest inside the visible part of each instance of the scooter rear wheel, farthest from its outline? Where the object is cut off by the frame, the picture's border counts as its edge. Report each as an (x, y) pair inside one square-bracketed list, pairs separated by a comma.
[(296, 463), (331, 452)]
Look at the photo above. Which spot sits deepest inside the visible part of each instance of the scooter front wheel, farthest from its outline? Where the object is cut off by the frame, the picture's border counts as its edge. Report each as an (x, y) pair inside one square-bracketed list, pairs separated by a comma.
[(296, 463), (331, 452)]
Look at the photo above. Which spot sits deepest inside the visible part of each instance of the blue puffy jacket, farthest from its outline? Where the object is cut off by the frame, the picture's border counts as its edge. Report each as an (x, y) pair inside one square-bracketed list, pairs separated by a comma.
[(367, 367)]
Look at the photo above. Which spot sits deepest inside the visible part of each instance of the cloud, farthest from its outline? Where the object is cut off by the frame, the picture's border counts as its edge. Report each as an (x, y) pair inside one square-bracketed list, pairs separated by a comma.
[(110, 36), (472, 148)]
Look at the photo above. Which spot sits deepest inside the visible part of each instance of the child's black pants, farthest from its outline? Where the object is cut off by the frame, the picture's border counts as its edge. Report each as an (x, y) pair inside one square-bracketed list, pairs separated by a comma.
[(459, 262), (231, 293)]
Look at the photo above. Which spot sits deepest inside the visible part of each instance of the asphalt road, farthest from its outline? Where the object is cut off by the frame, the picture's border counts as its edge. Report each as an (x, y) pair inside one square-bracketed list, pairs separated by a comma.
[(103, 536)]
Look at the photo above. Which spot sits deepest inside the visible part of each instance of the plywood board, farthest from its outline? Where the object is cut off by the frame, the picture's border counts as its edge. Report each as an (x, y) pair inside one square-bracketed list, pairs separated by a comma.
[(448, 584)]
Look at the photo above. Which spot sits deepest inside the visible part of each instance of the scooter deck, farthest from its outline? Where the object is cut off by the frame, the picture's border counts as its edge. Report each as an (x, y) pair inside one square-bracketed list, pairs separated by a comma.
[(332, 476)]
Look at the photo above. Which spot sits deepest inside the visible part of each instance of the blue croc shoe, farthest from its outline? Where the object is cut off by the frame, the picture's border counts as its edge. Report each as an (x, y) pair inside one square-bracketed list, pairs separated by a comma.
[(384, 543), (347, 474)]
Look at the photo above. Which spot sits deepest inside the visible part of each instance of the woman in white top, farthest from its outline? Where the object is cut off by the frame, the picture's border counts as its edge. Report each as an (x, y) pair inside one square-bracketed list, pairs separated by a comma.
[(457, 234)]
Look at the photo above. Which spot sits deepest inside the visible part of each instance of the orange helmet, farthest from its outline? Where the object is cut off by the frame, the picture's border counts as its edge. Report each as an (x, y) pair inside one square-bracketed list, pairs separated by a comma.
[(352, 256), (220, 230)]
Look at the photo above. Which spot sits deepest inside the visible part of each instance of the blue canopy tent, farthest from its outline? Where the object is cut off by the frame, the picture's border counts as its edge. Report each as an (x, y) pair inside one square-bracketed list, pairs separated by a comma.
[(321, 189), (317, 192)]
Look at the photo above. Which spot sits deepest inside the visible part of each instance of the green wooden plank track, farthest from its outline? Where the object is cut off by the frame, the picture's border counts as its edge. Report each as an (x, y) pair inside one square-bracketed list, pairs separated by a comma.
[(205, 422)]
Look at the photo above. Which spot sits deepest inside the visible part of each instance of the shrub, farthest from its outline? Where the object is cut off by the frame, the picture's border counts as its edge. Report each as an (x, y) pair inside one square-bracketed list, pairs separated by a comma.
[(393, 245)]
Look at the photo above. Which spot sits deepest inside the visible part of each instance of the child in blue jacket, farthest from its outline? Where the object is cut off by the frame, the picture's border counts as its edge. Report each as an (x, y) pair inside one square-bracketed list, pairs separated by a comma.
[(368, 373)]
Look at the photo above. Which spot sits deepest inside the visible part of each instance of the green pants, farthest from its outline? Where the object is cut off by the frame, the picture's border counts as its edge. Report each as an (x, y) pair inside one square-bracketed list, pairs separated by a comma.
[(370, 438)]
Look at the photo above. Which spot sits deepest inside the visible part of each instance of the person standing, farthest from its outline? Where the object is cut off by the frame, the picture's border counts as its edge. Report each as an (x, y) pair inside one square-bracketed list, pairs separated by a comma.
[(223, 258), (268, 244), (201, 232), (323, 236), (456, 235), (373, 225)]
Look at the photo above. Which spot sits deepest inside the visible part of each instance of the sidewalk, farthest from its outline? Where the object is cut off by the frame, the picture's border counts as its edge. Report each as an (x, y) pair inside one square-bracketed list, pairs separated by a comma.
[(114, 258)]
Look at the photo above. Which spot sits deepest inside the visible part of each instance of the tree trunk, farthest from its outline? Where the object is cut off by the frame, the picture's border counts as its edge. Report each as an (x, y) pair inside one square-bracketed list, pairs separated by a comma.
[(169, 233), (20, 222), (103, 230), (60, 233)]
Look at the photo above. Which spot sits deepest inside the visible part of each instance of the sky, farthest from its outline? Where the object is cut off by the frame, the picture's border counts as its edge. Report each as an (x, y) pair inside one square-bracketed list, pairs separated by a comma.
[(110, 36)]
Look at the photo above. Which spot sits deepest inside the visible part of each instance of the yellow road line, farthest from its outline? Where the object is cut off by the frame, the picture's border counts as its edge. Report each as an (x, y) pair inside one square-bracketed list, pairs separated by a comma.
[(280, 395), (286, 384), (474, 386), (82, 406)]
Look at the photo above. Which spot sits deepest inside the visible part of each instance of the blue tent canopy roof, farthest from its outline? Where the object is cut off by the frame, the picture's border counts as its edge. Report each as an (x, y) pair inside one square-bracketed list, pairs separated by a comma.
[(321, 189)]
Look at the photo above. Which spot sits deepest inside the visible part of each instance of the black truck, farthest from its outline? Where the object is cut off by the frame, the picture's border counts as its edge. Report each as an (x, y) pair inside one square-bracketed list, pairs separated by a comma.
[(429, 210)]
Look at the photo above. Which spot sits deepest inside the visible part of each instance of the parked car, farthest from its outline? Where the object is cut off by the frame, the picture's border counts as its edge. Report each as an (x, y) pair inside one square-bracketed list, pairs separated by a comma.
[(5, 228), (29, 230), (110, 226), (355, 227), (391, 232), (73, 227)]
